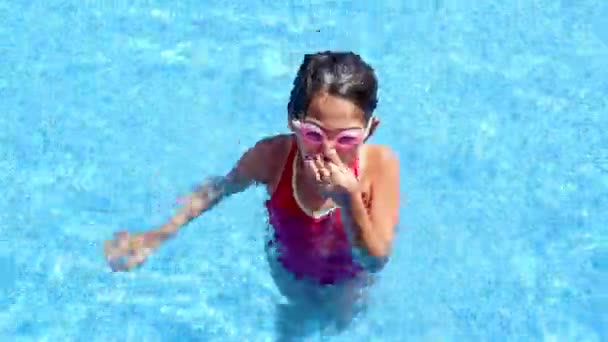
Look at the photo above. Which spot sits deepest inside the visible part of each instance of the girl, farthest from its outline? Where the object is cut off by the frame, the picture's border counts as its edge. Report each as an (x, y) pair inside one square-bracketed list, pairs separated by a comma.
[(334, 200)]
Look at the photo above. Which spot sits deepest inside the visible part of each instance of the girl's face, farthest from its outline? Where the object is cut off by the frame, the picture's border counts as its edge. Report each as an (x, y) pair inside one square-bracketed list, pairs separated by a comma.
[(332, 123)]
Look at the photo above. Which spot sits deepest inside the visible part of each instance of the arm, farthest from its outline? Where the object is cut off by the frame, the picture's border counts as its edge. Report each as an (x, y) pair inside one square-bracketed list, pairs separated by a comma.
[(250, 169), (371, 230)]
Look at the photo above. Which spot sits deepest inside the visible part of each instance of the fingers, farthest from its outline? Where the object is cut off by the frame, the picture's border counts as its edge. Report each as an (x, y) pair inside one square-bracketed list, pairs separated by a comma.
[(332, 156), (136, 259), (325, 175), (125, 252), (311, 164), (319, 162), (324, 171), (330, 165), (333, 163)]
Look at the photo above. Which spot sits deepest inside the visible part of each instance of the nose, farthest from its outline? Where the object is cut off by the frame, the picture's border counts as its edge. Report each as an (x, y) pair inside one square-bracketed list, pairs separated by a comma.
[(327, 145)]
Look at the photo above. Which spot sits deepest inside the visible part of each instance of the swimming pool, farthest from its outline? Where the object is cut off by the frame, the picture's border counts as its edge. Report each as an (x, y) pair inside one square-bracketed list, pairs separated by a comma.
[(109, 111)]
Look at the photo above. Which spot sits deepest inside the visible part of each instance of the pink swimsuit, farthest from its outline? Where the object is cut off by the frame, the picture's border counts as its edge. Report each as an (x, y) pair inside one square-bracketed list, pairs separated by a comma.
[(313, 248)]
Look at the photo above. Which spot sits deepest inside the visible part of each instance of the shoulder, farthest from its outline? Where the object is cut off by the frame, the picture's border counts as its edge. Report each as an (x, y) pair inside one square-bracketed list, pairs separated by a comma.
[(273, 141), (271, 147), (380, 157), (267, 156)]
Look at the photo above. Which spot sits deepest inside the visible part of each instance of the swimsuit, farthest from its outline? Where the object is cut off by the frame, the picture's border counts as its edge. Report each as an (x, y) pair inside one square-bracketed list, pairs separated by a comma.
[(315, 248)]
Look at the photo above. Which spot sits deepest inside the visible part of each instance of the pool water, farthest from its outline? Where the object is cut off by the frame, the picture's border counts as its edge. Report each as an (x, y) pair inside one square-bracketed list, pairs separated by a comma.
[(109, 110)]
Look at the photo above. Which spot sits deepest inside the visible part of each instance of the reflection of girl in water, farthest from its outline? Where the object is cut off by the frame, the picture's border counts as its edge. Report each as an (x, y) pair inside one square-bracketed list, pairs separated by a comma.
[(334, 199)]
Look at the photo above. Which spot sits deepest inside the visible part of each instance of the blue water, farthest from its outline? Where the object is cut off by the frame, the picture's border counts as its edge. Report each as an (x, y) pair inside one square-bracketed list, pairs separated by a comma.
[(111, 109)]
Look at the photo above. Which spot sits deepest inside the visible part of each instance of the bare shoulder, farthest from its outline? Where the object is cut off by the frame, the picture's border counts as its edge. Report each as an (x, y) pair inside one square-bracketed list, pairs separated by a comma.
[(272, 144), (266, 157), (272, 149), (380, 157)]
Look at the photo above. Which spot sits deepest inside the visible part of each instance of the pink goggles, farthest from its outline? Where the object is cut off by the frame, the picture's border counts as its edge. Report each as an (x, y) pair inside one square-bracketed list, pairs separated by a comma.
[(313, 135)]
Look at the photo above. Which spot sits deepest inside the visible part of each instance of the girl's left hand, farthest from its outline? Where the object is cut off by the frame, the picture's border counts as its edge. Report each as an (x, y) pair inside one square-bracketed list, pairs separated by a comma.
[(335, 179)]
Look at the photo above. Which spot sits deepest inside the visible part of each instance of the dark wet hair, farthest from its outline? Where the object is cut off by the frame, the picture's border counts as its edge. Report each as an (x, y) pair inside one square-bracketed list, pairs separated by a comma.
[(342, 74)]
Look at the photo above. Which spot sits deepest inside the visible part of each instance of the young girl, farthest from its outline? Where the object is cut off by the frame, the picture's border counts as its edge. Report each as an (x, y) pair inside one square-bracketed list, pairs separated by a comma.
[(334, 200)]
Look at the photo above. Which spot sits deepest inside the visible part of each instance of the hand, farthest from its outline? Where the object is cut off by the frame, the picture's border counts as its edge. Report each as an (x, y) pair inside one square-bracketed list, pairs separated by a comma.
[(126, 251), (334, 179)]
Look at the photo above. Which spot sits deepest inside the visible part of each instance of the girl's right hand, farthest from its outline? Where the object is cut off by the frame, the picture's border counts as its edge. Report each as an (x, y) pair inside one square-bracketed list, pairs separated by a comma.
[(127, 251)]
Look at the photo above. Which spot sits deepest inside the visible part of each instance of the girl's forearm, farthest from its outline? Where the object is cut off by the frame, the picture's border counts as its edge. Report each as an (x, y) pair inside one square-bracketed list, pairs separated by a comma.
[(201, 200), (368, 249)]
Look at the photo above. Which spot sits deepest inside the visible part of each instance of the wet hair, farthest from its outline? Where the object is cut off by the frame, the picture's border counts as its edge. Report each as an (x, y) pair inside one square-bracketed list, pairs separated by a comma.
[(342, 74)]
